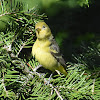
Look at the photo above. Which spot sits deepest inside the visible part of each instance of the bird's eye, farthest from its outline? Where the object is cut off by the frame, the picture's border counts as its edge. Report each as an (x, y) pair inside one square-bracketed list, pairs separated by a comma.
[(43, 26)]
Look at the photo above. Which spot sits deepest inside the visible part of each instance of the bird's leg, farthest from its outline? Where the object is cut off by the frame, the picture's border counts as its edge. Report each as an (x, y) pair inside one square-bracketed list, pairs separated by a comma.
[(35, 69), (50, 77)]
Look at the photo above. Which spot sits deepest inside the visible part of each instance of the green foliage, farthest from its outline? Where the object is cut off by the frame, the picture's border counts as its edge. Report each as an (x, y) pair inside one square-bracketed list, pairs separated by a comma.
[(19, 81), (90, 56)]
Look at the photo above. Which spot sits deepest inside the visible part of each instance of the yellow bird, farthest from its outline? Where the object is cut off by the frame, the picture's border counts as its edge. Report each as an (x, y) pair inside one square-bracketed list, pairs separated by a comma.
[(46, 50)]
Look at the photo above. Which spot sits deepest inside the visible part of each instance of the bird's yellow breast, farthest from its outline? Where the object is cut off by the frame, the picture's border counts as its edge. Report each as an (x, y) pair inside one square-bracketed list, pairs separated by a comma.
[(41, 51)]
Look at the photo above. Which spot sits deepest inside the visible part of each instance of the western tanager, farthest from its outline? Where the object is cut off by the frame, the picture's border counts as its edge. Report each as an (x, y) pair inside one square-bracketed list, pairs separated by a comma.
[(46, 50)]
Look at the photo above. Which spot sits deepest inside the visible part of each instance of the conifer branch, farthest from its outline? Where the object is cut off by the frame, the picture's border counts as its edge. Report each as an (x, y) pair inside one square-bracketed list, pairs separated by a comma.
[(93, 86), (4, 85)]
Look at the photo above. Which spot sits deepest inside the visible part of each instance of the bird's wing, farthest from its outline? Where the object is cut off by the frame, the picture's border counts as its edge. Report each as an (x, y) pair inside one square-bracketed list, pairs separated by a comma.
[(55, 51)]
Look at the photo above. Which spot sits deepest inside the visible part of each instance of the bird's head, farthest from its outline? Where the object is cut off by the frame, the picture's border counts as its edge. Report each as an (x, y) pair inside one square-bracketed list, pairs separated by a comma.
[(42, 30)]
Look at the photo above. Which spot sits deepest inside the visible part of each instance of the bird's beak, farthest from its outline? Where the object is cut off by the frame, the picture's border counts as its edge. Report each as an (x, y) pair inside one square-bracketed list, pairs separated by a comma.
[(38, 30)]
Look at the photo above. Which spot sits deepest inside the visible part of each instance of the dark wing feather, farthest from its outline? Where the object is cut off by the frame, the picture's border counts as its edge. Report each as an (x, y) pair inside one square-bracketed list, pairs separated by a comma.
[(54, 47)]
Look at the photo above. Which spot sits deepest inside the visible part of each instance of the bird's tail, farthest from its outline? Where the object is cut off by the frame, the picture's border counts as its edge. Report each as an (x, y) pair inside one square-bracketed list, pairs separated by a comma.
[(62, 70)]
